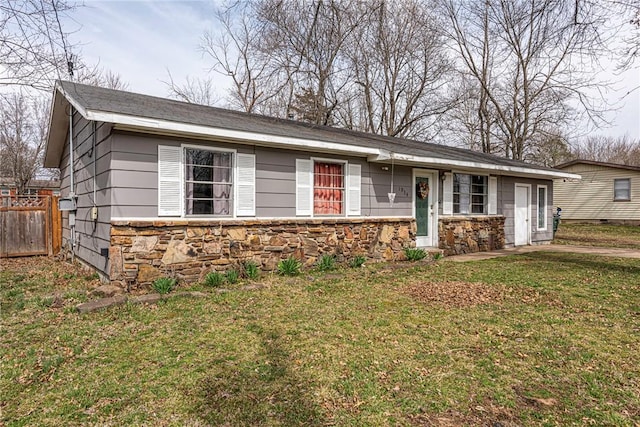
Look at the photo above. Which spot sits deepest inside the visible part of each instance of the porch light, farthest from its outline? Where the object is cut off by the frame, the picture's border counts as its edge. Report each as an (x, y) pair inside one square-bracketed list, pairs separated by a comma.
[(391, 194)]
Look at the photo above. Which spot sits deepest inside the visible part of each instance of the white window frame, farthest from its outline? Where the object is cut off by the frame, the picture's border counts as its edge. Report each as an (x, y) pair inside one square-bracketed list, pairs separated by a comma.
[(620, 199), (5, 192), (544, 208), (345, 189), (233, 184), (176, 180), (352, 175), (487, 196)]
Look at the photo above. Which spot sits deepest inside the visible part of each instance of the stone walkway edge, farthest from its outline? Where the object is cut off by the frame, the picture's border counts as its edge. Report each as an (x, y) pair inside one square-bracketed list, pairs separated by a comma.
[(103, 303)]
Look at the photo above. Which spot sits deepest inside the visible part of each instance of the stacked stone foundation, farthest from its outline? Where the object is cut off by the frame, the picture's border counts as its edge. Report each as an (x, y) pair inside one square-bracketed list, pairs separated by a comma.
[(461, 235), (142, 251)]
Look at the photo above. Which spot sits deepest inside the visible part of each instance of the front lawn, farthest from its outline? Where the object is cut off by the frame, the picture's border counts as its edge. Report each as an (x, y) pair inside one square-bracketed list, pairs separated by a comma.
[(603, 235), (537, 339)]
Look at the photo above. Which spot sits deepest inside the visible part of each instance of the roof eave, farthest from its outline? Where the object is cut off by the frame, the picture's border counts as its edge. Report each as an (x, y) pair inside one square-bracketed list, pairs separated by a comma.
[(440, 163), (57, 130)]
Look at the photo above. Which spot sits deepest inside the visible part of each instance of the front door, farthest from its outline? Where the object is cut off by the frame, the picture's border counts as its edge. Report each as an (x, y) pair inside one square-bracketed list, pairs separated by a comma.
[(521, 215), (423, 196)]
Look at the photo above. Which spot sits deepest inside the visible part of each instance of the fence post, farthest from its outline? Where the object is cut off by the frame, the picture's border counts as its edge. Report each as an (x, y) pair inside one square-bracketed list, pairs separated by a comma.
[(56, 226)]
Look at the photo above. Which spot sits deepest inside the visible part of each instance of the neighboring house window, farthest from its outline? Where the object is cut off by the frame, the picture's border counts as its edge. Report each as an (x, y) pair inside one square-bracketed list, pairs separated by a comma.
[(208, 182), (194, 180), (542, 207), (5, 192), (469, 194), (622, 190), (328, 188)]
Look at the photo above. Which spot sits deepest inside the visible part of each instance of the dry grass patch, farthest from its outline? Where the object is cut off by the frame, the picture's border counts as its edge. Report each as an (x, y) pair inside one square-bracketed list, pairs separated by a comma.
[(462, 294), (456, 294), (602, 235)]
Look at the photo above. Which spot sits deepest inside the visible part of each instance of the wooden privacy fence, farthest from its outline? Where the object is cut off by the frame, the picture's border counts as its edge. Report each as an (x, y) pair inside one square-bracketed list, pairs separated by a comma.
[(29, 226)]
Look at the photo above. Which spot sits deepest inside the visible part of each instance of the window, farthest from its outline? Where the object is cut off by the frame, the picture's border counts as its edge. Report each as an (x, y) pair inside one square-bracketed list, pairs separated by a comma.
[(469, 194), (5, 192), (622, 190), (195, 180), (208, 182), (328, 188), (542, 207)]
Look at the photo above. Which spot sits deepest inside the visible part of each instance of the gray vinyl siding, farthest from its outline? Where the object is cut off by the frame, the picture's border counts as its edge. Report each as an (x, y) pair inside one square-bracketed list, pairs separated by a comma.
[(591, 199), (91, 236), (506, 206), (134, 171)]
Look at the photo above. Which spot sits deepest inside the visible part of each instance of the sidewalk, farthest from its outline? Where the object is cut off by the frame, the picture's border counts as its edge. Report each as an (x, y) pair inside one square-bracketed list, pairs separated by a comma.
[(614, 252)]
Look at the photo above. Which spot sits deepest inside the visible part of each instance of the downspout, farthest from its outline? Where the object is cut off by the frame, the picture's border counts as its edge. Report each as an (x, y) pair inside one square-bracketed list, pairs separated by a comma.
[(94, 209), (72, 193)]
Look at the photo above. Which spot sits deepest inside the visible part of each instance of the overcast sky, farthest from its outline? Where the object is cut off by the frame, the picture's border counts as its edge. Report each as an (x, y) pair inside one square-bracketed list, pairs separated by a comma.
[(141, 40)]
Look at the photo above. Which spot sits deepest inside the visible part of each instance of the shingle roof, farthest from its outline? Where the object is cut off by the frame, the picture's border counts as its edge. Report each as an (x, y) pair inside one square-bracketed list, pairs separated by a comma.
[(145, 106), (594, 163)]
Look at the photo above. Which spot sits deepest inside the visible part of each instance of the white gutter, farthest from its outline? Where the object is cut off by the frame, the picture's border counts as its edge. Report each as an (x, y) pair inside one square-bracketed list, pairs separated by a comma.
[(420, 160)]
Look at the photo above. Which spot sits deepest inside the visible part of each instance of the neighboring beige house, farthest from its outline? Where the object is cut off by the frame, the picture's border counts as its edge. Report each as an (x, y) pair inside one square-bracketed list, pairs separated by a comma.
[(608, 192)]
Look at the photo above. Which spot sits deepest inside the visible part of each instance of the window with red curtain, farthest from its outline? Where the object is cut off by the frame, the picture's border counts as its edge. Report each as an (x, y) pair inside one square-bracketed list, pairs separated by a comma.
[(328, 188)]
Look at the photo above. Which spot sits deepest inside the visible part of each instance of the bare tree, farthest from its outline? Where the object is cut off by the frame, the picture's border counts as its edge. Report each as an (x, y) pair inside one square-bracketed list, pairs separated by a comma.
[(101, 77), (527, 57), (630, 33), (33, 46), (550, 151), (621, 150), (194, 90), (237, 54), (23, 130), (373, 66), (400, 68)]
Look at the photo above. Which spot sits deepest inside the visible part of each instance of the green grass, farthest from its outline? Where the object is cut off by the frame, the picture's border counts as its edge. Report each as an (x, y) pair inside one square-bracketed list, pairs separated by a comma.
[(613, 236), (559, 346)]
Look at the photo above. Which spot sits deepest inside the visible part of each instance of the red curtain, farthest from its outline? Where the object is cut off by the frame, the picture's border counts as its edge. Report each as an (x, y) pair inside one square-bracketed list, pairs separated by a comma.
[(328, 188)]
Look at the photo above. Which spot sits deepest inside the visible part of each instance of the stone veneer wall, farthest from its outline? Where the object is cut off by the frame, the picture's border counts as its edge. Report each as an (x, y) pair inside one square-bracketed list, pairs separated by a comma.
[(460, 235), (142, 251)]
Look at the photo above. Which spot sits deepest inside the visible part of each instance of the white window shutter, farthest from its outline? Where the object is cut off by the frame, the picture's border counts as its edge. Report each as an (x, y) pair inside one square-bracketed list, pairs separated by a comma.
[(169, 180), (246, 185), (304, 187), (493, 195), (353, 188), (447, 194)]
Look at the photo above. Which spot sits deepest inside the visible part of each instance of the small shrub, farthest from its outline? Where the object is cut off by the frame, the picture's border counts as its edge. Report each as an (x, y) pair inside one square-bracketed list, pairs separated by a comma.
[(164, 285), (232, 276), (415, 254), (327, 263), (357, 261), (251, 270), (289, 267), (437, 256), (214, 279)]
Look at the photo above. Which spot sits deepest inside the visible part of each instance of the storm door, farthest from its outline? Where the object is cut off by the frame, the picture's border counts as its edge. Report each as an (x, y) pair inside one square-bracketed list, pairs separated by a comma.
[(423, 208)]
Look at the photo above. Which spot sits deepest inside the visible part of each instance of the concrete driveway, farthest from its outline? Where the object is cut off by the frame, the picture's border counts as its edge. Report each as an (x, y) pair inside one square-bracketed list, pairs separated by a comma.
[(614, 252)]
